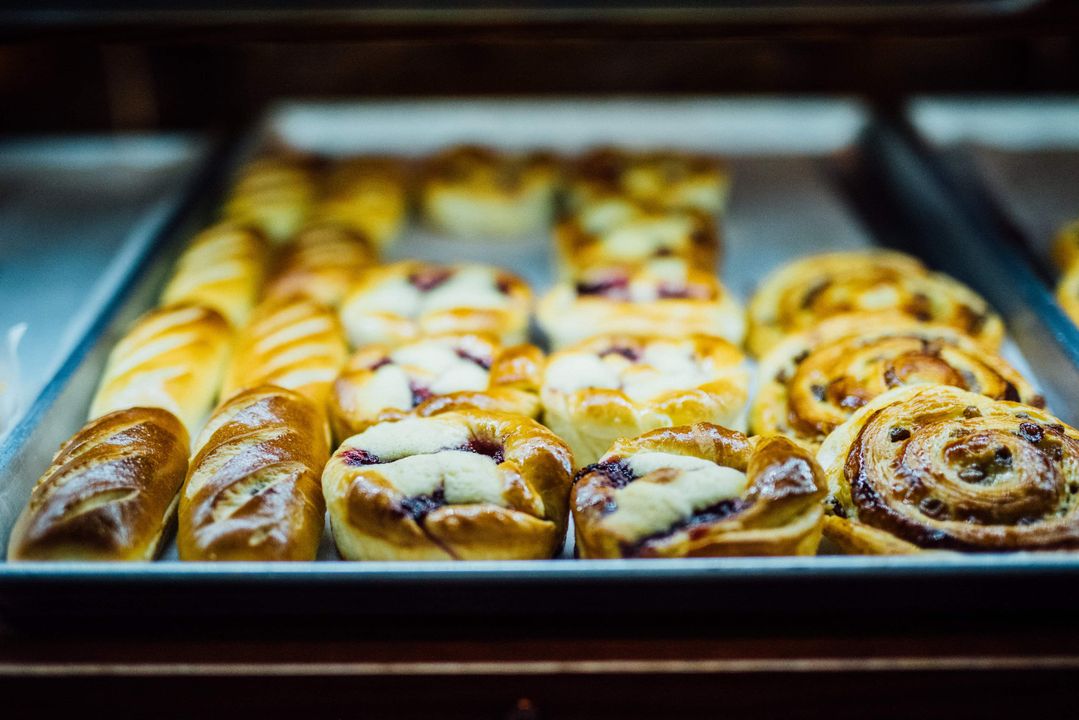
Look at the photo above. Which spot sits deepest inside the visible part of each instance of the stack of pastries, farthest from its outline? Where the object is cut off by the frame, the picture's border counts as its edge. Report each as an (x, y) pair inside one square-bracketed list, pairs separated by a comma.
[(859, 404)]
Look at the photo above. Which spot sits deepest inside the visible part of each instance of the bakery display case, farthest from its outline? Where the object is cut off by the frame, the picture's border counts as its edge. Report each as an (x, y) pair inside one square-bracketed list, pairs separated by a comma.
[(520, 384)]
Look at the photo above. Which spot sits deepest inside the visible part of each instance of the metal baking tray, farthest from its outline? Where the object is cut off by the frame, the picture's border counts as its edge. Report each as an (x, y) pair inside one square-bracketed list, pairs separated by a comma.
[(810, 175)]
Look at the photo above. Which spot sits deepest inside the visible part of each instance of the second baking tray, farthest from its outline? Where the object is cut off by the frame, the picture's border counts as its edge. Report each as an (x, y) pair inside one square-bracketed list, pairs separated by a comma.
[(809, 176)]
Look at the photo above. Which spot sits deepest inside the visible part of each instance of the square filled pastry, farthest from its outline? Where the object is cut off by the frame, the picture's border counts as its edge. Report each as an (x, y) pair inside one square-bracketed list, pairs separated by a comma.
[(465, 485), (585, 240), (665, 179), (472, 191), (660, 297), (615, 386), (432, 375), (699, 491), (395, 303)]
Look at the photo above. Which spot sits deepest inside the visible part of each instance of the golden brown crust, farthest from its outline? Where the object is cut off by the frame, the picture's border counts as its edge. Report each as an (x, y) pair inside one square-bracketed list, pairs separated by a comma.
[(379, 383), (321, 263), (373, 518), (109, 493), (367, 194), (274, 194), (644, 235), (779, 512), (613, 386), (478, 191), (173, 358), (658, 297), (253, 490), (1067, 293), (813, 381), (223, 268), (807, 291), (1065, 249), (395, 303), (939, 467), (296, 344), (854, 538)]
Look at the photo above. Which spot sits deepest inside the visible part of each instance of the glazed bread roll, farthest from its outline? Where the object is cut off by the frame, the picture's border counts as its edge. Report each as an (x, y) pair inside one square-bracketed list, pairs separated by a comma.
[(933, 466), (223, 268), (473, 191), (1065, 249), (110, 492), (273, 194), (807, 291), (253, 489), (1068, 292), (433, 375), (699, 491), (321, 263), (813, 381), (396, 303), (660, 297), (687, 234), (465, 485), (174, 358), (663, 179), (368, 195), (616, 386), (296, 344)]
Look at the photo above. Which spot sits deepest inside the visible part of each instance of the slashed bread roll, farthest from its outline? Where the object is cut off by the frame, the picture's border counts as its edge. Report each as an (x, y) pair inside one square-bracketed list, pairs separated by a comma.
[(368, 194), (110, 492), (320, 263), (173, 358), (253, 491), (274, 194)]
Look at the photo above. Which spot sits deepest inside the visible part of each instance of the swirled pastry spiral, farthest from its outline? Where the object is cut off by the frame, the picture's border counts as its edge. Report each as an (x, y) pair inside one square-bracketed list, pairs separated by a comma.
[(687, 234), (939, 467), (615, 386), (476, 191), (660, 297), (659, 179), (699, 491), (253, 490), (174, 358), (433, 375), (807, 291), (321, 263), (296, 344), (110, 491), (222, 268), (366, 194), (813, 381), (402, 301), (273, 194), (465, 485)]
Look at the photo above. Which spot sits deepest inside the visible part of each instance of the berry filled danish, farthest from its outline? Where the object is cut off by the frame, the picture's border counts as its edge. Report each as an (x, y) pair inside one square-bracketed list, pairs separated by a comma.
[(934, 466), (433, 375), (466, 485), (396, 303), (699, 491), (615, 386)]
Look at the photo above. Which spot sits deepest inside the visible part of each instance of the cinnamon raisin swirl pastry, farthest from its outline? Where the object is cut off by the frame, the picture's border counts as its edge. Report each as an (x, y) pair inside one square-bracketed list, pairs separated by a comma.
[(476, 191), (433, 375), (253, 489), (222, 268), (466, 485), (687, 234), (813, 381), (615, 386), (660, 297), (396, 303), (109, 493), (939, 467), (807, 291), (321, 263), (664, 179), (368, 195), (699, 491), (296, 344), (273, 194)]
